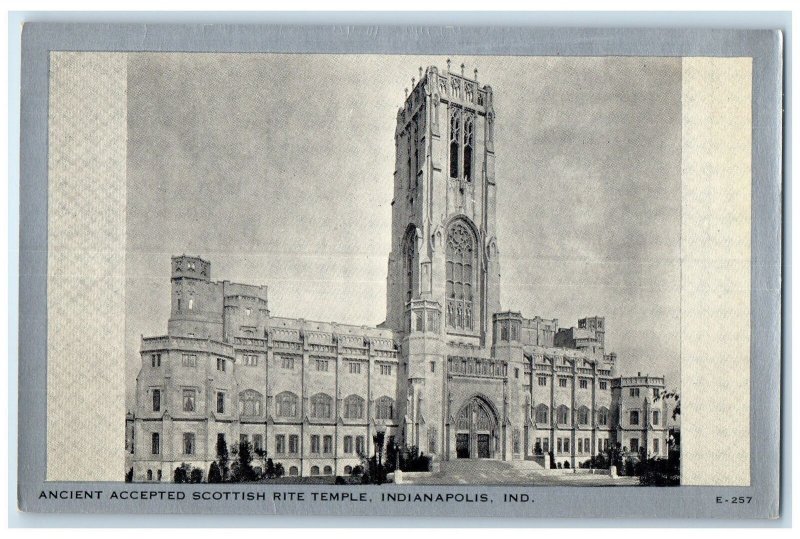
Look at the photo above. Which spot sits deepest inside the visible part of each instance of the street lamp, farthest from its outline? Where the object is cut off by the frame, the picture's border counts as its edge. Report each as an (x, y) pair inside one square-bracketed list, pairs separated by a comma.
[(377, 439)]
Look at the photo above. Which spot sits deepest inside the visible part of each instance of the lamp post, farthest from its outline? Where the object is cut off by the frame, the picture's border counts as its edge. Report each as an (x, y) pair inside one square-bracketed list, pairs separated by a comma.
[(377, 439)]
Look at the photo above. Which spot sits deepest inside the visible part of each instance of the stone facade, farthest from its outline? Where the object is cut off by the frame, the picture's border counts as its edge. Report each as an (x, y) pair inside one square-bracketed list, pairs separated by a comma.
[(447, 372)]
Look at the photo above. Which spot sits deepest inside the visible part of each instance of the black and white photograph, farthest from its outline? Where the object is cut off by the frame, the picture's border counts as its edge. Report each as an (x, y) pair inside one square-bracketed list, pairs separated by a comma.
[(421, 270)]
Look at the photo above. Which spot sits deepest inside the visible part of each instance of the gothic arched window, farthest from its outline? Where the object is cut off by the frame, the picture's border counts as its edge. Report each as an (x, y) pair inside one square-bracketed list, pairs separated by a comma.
[(384, 408), (602, 416), (583, 415), (409, 254), (250, 402), (455, 141), (354, 407), (469, 143), (321, 406), (542, 411), (286, 404), (461, 262), (563, 415)]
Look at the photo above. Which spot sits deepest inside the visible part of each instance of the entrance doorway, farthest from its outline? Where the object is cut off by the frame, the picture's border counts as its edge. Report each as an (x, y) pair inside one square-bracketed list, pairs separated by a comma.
[(462, 446), (476, 431)]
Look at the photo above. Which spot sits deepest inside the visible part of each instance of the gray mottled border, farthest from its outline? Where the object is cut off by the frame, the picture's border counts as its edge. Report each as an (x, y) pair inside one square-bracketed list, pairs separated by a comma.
[(682, 502)]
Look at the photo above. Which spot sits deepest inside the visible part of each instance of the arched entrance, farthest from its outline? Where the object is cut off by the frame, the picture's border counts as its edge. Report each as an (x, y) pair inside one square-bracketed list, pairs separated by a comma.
[(476, 430)]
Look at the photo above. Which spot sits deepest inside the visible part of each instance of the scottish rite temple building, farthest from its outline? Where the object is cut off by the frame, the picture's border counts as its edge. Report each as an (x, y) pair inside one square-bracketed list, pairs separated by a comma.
[(448, 371)]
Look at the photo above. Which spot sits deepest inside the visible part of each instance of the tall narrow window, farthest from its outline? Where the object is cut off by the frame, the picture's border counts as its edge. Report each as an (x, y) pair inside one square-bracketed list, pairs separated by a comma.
[(455, 141), (155, 445), (156, 400), (461, 254), (220, 402), (315, 443), (280, 444), (409, 250), (188, 443), (188, 400), (469, 143), (348, 444)]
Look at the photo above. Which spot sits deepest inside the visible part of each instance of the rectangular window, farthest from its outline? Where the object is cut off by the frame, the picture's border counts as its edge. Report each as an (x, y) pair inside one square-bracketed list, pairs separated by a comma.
[(546, 445), (433, 366), (188, 443), (580, 445), (287, 362), (634, 444), (327, 444), (156, 360), (322, 364), (656, 417), (605, 444), (634, 417), (243, 439), (156, 400), (315, 443), (294, 443), (603, 385), (348, 444), (355, 367), (360, 445), (258, 442), (516, 373), (634, 392), (656, 446), (220, 402), (251, 360), (586, 445), (189, 400), (155, 443), (189, 360), (386, 370), (542, 381), (655, 393), (584, 384), (562, 382), (280, 444), (566, 445), (559, 445), (220, 364)]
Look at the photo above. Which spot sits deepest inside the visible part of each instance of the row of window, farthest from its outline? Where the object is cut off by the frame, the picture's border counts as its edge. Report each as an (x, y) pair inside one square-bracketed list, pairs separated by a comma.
[(542, 415), (287, 404), (325, 447), (634, 417), (287, 362), (564, 382), (634, 392)]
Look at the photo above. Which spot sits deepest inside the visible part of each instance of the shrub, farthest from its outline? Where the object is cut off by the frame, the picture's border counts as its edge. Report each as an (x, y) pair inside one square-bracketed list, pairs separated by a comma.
[(196, 476), (214, 475)]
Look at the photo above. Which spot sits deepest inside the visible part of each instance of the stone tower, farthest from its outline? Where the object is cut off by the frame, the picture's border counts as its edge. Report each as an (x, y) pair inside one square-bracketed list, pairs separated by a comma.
[(443, 283)]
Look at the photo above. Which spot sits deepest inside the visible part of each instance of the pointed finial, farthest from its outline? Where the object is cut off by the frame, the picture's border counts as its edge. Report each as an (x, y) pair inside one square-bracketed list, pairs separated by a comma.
[(476, 73), (448, 64), (462, 70), (412, 82), (420, 72), (405, 90)]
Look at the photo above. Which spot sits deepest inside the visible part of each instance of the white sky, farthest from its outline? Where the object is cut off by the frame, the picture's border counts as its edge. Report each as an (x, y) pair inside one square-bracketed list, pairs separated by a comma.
[(278, 169)]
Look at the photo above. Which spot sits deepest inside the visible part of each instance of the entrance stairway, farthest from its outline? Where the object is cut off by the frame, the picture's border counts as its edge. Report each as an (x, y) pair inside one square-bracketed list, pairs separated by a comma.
[(514, 472)]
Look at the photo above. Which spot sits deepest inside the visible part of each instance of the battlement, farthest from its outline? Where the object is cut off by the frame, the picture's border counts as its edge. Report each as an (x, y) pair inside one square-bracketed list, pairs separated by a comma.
[(192, 267)]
